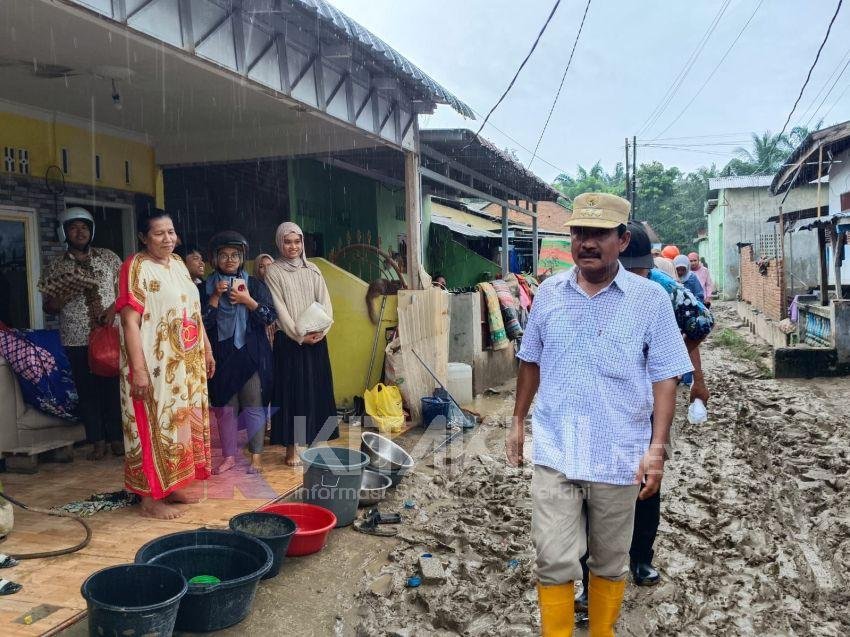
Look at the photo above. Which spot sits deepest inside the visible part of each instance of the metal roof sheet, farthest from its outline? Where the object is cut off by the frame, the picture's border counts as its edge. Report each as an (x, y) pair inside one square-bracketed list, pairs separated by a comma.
[(802, 167), (464, 218), (740, 181), (380, 49), (463, 229)]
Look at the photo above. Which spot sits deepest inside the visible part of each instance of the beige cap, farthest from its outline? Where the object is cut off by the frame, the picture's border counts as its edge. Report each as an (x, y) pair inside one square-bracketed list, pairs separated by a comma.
[(599, 210)]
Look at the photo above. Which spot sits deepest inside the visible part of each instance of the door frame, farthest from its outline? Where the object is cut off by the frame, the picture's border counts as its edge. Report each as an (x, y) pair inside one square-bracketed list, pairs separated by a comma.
[(29, 217), (128, 219)]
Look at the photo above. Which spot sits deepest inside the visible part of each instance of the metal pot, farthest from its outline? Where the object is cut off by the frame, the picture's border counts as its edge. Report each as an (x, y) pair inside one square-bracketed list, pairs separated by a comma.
[(384, 454), (374, 487)]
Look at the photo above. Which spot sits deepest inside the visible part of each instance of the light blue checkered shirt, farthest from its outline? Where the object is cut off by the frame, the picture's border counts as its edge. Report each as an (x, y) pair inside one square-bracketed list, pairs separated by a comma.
[(598, 358)]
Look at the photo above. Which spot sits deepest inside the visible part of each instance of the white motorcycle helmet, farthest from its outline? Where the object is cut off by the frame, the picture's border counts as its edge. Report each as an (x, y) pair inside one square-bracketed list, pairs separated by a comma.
[(72, 214)]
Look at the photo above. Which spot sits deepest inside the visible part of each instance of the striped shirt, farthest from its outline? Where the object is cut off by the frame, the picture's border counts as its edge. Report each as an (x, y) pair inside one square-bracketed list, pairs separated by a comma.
[(598, 357)]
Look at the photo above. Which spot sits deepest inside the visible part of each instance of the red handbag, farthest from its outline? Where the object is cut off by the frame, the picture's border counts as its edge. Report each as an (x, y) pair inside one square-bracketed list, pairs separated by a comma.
[(104, 348)]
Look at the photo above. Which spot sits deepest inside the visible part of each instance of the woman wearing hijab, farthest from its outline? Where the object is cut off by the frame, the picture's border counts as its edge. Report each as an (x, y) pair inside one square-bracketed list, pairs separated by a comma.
[(261, 263), (687, 278), (237, 308), (303, 385)]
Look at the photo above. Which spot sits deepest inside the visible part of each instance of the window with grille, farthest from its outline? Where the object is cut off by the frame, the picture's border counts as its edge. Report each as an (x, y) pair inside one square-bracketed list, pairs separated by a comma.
[(9, 159), (767, 246), (400, 213), (23, 161)]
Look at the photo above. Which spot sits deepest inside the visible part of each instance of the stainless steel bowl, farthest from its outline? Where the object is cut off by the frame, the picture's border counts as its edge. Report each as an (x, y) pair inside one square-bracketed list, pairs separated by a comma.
[(374, 487), (384, 454)]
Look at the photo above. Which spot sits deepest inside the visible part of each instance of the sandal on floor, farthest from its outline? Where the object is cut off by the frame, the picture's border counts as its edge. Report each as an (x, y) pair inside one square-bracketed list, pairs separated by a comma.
[(370, 528)]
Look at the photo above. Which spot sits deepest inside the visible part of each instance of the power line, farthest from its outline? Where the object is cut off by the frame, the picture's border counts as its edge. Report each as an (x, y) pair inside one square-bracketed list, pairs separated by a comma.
[(520, 144), (680, 77), (714, 70), (687, 150), (826, 96), (811, 68), (820, 92), (781, 134), (717, 135), (561, 85), (521, 66), (837, 100)]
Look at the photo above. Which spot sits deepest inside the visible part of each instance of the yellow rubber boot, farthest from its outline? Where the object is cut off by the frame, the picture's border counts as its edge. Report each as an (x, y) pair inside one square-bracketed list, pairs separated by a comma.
[(557, 609), (604, 598)]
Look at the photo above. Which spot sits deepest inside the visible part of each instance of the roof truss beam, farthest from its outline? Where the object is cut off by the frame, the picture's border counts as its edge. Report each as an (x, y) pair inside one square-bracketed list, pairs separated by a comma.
[(451, 183), (427, 151)]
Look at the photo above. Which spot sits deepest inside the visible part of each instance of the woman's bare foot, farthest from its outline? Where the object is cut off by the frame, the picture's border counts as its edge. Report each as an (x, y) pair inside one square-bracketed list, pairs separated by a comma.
[(98, 451), (256, 464), (227, 465), (160, 509), (181, 497), (291, 459)]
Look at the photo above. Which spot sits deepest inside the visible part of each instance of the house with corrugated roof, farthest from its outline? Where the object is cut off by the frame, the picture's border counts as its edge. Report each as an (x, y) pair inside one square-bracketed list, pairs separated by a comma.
[(740, 211)]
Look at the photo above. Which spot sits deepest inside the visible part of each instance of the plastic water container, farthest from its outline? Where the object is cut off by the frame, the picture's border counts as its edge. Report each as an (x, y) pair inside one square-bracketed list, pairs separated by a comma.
[(460, 382)]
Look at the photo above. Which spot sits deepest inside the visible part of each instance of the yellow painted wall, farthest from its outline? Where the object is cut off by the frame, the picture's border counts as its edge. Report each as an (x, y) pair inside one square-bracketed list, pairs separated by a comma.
[(44, 141), (351, 337)]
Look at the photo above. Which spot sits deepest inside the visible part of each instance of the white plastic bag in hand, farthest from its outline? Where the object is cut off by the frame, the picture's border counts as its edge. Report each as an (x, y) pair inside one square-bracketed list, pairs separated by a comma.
[(313, 319), (697, 413)]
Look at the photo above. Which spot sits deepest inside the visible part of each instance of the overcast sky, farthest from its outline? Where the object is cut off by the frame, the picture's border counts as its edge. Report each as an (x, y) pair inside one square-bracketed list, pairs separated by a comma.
[(629, 54)]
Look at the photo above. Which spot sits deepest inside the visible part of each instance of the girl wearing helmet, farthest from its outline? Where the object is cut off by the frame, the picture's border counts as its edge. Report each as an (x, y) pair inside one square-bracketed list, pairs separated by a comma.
[(237, 308)]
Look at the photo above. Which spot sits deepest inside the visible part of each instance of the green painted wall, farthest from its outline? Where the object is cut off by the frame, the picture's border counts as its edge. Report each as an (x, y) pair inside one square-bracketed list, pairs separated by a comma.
[(344, 208), (391, 216), (461, 266), (714, 250), (333, 203)]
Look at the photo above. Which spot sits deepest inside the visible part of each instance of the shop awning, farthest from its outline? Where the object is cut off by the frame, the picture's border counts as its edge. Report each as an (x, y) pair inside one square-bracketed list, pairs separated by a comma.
[(460, 228), (466, 219)]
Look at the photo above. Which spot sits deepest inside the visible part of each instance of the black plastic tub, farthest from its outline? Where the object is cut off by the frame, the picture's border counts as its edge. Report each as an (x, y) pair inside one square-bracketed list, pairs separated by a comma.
[(234, 561), (275, 531), (133, 599)]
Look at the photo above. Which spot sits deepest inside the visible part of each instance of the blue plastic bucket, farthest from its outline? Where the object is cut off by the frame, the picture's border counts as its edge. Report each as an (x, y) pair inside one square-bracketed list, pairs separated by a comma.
[(434, 407)]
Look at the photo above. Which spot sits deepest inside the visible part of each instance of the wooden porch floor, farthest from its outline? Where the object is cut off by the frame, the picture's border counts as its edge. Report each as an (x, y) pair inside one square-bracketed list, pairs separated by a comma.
[(50, 599)]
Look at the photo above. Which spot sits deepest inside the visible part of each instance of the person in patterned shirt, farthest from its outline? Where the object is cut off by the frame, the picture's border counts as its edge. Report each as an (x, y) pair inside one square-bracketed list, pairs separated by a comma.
[(80, 287), (602, 352), (695, 323)]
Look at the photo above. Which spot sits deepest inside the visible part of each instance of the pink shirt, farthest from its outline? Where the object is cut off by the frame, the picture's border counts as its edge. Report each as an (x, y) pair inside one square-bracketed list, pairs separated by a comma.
[(704, 277)]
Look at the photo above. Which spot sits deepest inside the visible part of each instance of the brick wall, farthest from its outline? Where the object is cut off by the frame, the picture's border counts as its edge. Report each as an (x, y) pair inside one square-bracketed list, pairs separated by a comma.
[(765, 292), (31, 192)]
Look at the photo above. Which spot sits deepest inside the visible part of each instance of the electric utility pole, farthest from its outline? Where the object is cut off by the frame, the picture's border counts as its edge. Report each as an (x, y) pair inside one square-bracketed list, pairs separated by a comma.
[(634, 177), (628, 178)]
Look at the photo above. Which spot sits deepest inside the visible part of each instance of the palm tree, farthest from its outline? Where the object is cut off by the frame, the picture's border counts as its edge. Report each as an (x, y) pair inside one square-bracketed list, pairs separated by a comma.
[(767, 154)]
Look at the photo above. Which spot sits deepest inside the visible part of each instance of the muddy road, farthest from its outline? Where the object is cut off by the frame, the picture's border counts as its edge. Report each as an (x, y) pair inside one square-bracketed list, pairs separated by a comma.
[(754, 538)]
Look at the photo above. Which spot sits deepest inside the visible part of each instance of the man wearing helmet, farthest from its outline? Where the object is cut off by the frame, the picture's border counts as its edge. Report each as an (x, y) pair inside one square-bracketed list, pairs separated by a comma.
[(80, 287)]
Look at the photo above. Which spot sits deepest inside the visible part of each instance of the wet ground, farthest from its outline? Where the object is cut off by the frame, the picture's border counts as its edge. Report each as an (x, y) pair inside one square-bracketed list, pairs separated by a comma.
[(754, 540)]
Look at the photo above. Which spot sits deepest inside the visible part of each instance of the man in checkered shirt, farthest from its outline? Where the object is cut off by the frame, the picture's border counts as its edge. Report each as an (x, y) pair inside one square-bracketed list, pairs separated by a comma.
[(603, 353)]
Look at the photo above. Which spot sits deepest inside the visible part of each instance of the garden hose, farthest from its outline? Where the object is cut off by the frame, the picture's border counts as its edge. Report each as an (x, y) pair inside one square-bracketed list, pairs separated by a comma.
[(58, 514)]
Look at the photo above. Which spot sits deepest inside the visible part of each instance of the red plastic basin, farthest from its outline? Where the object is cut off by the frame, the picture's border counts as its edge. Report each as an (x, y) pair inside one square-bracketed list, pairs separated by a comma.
[(313, 523)]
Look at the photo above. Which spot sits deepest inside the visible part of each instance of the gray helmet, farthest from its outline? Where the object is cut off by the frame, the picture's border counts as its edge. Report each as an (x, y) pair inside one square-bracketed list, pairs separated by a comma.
[(74, 213), (230, 239)]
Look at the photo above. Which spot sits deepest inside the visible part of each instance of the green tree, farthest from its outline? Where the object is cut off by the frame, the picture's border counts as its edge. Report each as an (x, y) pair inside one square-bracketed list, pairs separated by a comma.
[(766, 155), (670, 200), (597, 179)]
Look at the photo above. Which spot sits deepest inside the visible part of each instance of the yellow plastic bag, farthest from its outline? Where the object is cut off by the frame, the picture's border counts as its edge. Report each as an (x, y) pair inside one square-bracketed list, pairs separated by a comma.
[(383, 404)]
